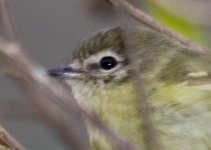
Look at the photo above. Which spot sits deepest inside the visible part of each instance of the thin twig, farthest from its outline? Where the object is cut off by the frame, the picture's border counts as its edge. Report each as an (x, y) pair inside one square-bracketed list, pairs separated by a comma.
[(48, 111), (53, 115), (6, 22), (151, 139), (7, 142), (149, 132), (156, 25)]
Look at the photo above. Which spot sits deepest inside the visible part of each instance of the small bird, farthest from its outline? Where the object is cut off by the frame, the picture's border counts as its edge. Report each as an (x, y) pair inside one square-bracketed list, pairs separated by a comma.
[(177, 83)]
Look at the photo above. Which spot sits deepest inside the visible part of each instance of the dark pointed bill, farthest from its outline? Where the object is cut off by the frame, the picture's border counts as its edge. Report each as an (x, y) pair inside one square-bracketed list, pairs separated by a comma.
[(66, 72)]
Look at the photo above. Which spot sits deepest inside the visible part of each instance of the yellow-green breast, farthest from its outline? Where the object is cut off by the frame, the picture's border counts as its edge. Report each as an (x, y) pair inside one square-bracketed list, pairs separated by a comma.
[(181, 113)]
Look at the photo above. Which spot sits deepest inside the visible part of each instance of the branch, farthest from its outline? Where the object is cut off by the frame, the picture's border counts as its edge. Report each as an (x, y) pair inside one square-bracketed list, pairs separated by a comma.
[(150, 135), (52, 114), (7, 142), (156, 25), (17, 109), (5, 21), (48, 112)]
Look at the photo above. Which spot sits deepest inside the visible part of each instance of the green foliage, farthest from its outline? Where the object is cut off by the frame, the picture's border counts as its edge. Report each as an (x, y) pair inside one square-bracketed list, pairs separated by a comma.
[(179, 24)]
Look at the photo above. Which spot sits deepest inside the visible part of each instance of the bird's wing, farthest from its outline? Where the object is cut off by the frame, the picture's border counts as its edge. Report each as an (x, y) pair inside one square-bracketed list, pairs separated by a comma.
[(189, 67)]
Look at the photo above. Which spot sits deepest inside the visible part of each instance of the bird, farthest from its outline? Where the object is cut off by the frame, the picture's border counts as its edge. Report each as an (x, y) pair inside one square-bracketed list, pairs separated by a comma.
[(176, 80)]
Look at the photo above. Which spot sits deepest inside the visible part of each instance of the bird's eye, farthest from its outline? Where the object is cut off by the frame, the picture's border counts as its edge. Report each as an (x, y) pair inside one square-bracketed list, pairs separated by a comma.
[(108, 63)]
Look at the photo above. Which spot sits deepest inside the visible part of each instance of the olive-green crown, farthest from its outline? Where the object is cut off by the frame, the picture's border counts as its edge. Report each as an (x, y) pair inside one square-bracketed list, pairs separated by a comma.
[(111, 38)]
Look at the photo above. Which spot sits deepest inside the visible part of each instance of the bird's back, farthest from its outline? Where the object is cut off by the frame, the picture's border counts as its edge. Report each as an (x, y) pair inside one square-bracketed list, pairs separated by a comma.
[(180, 92)]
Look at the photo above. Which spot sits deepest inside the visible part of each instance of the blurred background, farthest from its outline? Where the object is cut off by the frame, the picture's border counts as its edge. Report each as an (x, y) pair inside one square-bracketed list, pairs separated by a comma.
[(51, 29)]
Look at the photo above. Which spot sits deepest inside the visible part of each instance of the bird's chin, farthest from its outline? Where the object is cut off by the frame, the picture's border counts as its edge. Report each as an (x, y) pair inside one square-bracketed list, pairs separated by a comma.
[(81, 91), (71, 82)]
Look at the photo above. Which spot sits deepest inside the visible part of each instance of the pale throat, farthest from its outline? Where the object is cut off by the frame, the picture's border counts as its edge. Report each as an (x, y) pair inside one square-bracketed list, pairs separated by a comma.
[(116, 105)]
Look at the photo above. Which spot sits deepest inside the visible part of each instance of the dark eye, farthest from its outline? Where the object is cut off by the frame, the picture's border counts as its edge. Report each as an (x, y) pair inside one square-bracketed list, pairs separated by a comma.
[(108, 63)]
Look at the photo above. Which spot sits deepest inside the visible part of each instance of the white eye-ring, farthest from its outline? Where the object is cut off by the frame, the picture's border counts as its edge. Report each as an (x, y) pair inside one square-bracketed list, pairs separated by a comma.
[(105, 61)]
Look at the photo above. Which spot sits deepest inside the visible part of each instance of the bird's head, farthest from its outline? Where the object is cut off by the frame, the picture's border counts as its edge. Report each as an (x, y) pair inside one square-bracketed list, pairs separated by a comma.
[(100, 58)]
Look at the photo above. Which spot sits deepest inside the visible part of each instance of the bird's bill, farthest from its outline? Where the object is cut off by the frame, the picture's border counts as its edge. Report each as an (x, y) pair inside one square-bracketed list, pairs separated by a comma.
[(66, 72)]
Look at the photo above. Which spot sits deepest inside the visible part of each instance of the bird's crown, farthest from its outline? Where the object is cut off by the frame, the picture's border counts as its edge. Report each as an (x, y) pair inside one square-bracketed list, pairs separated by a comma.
[(110, 38)]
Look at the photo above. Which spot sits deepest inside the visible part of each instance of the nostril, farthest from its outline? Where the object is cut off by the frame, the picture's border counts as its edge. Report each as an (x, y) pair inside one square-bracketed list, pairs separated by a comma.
[(67, 69)]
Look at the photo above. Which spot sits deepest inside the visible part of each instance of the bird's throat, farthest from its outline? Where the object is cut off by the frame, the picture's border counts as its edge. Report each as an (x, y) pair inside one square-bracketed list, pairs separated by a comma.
[(117, 106)]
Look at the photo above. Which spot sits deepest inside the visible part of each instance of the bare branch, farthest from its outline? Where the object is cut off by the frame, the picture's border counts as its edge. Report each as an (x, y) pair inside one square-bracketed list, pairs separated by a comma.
[(5, 21), (54, 116), (156, 25), (151, 140), (48, 112), (7, 142), (17, 109)]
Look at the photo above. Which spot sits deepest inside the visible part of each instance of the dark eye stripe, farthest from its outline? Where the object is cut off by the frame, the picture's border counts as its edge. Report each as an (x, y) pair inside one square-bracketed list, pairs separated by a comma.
[(93, 66)]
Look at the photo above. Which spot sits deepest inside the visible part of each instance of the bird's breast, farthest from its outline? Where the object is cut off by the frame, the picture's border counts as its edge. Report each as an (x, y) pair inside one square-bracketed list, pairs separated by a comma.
[(181, 114)]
